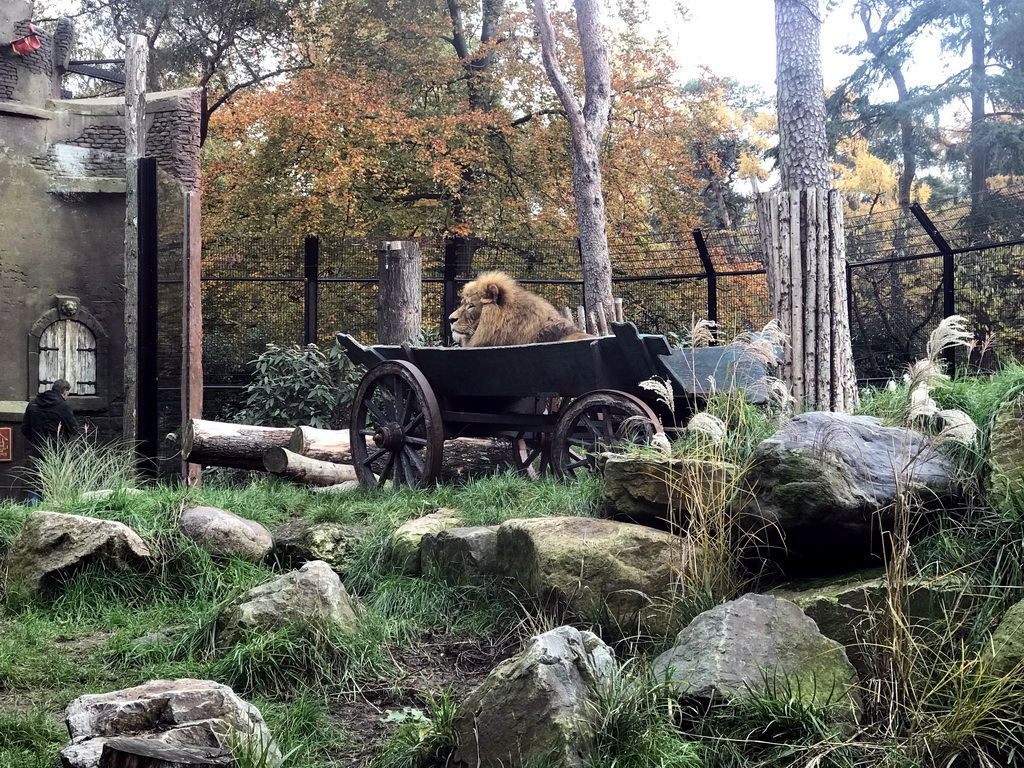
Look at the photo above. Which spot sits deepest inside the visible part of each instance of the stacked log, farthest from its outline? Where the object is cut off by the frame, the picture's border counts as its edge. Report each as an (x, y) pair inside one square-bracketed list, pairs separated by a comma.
[(239, 446)]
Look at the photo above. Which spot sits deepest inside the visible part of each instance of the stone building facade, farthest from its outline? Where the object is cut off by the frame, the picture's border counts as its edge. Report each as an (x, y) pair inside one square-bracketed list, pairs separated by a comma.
[(62, 223)]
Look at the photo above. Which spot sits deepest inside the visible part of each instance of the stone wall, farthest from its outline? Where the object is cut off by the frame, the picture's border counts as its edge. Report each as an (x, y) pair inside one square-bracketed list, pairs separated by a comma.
[(62, 217)]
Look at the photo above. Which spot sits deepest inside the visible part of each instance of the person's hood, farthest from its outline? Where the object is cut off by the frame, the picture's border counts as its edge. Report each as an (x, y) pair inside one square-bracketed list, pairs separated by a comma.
[(49, 399)]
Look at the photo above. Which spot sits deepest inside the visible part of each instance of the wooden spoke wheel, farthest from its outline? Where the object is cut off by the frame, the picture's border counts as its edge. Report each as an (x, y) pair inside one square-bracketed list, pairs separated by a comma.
[(530, 453), (599, 421), (396, 429)]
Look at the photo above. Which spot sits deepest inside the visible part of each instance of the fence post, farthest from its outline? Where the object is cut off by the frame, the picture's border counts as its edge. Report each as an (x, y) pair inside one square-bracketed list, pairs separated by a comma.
[(709, 270), (451, 289), (948, 274), (311, 277), (147, 373)]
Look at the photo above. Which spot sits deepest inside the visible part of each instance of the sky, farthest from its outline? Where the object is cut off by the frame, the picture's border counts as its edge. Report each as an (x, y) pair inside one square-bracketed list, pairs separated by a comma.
[(736, 38)]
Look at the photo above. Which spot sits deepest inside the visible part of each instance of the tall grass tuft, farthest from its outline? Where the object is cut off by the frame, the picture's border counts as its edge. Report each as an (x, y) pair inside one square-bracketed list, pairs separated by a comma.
[(66, 471), (424, 737)]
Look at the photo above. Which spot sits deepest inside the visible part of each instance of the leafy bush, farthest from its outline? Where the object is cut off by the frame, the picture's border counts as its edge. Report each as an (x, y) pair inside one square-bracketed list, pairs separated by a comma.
[(294, 385)]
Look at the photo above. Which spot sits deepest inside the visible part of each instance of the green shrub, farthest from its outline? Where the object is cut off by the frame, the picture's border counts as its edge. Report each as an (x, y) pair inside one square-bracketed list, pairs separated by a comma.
[(295, 385)]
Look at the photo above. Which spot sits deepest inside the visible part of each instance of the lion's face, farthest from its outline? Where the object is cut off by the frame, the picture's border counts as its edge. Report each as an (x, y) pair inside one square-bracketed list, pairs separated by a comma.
[(466, 318)]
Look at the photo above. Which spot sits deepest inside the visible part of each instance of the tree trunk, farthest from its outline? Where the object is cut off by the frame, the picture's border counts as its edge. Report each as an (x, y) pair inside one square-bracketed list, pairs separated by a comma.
[(150, 753), (321, 444), (803, 150), (241, 446), (586, 126), (399, 300), (281, 461), (802, 232), (979, 82)]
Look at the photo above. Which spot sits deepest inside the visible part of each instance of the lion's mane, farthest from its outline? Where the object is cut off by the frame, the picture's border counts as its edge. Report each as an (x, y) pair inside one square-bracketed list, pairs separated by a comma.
[(496, 311)]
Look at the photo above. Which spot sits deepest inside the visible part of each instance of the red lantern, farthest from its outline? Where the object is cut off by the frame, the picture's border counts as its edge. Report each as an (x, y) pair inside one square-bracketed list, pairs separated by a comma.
[(28, 43)]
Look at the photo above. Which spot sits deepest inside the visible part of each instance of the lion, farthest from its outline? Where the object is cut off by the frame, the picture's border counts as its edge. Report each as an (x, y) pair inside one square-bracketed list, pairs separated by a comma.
[(497, 312)]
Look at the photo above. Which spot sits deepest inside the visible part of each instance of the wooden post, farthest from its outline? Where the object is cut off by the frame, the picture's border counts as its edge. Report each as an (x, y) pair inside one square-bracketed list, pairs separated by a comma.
[(134, 148), (191, 328), (399, 300), (801, 232)]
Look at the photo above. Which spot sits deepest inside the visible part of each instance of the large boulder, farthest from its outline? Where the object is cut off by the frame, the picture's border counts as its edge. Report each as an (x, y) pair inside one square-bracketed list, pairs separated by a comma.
[(186, 712), (52, 545), (536, 705), (754, 641), (851, 609), (225, 534), (460, 555), (312, 594), (405, 541), (600, 570), (299, 541), (1006, 454), (662, 491), (817, 496)]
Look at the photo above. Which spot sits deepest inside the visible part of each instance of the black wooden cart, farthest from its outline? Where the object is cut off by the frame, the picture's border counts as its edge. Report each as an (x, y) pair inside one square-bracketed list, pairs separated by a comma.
[(561, 403)]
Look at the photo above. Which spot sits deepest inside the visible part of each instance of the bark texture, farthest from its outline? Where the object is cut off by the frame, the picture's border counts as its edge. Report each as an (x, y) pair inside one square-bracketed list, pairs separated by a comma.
[(219, 444), (586, 125), (802, 234), (803, 151), (399, 303), (301, 469), (322, 444)]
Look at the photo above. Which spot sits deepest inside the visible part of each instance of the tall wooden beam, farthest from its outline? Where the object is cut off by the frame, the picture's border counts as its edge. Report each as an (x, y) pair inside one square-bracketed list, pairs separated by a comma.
[(192, 328), (134, 148)]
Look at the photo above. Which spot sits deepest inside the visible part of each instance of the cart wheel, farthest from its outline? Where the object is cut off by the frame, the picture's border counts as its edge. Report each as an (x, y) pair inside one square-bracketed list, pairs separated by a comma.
[(597, 422), (530, 453), (396, 408)]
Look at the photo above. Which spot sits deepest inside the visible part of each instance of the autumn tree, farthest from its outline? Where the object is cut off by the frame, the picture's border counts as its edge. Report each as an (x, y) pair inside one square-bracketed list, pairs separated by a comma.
[(377, 139), (222, 46), (587, 125)]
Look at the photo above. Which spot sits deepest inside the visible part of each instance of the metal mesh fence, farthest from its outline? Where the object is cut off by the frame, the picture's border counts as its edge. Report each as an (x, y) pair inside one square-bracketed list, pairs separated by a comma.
[(254, 290), (253, 294)]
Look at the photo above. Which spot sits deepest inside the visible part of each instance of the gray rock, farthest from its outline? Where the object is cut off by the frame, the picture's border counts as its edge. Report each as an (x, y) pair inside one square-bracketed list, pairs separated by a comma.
[(460, 555), (314, 593), (1007, 646), (51, 544), (106, 493), (741, 645), (405, 541), (299, 541), (186, 712), (537, 704), (655, 490), (849, 609), (600, 570), (816, 496), (226, 534)]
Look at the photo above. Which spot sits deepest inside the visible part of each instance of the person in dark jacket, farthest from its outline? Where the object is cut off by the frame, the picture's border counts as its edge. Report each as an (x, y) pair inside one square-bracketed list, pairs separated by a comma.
[(49, 419)]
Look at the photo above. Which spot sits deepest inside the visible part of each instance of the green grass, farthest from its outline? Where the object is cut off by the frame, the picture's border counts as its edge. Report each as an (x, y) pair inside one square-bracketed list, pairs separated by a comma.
[(79, 637)]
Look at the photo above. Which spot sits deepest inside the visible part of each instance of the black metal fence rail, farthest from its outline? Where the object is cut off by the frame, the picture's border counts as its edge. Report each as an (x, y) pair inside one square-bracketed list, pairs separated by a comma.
[(907, 270)]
